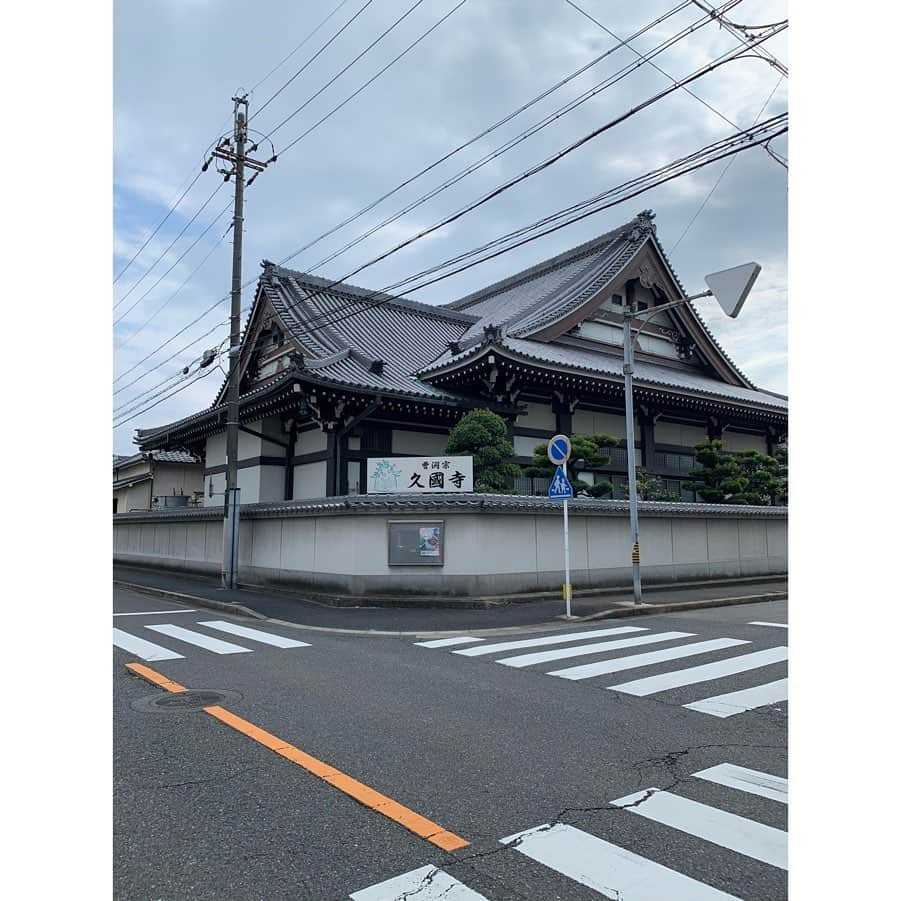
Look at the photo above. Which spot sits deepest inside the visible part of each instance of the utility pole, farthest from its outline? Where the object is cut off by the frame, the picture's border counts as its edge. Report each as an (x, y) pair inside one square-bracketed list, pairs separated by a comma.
[(233, 152)]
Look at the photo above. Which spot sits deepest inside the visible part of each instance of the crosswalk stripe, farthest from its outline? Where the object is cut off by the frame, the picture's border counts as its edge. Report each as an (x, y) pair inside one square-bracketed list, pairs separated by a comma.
[(146, 650), (740, 701), (216, 645), (254, 634), (613, 871), (549, 639), (703, 673), (753, 781), (446, 642), (774, 625), (587, 670), (728, 830), (594, 648), (425, 884)]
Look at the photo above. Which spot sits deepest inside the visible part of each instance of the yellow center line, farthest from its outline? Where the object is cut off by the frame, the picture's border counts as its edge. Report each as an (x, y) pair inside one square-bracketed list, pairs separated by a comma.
[(376, 801)]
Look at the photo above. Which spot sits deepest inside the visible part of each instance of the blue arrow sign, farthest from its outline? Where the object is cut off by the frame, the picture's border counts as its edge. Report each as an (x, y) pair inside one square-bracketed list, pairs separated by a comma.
[(560, 487)]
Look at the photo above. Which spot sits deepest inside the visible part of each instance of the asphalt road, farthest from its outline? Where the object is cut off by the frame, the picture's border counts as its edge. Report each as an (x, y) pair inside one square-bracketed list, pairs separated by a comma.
[(481, 751)]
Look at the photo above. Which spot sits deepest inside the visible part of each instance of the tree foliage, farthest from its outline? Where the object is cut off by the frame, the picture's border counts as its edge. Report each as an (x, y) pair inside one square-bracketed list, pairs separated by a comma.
[(483, 435), (587, 451), (737, 477), (650, 488)]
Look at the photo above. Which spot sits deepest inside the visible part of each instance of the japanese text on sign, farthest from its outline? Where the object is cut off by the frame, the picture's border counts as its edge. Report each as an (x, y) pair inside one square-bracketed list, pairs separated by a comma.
[(390, 475)]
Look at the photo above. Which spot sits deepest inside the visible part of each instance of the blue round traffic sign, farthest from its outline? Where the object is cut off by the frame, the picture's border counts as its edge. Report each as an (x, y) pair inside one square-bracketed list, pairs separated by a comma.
[(558, 449)]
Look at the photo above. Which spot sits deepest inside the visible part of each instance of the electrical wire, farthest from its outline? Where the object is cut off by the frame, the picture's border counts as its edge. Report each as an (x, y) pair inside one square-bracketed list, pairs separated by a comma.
[(505, 147), (160, 224), (736, 32), (726, 168), (734, 144), (366, 84), (140, 412), (196, 241), (172, 296), (677, 8), (147, 271), (353, 62), (312, 59), (278, 66)]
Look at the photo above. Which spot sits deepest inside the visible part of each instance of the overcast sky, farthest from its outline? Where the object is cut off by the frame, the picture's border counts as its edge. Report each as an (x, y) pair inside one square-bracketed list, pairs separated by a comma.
[(178, 63)]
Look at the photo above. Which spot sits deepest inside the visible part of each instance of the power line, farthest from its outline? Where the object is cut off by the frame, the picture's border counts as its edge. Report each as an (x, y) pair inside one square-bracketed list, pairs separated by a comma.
[(506, 146), (366, 84), (312, 59), (184, 254), (175, 294), (703, 21), (161, 223), (272, 71), (734, 144), (188, 384), (163, 254), (726, 168), (335, 77)]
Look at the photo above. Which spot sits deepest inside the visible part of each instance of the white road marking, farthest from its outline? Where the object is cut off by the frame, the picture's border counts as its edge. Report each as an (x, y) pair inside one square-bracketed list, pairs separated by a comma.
[(774, 625), (587, 670), (216, 645), (740, 701), (548, 639), (753, 781), (703, 673), (424, 884), (728, 830), (446, 642), (146, 650), (155, 613), (254, 634), (595, 648), (613, 871)]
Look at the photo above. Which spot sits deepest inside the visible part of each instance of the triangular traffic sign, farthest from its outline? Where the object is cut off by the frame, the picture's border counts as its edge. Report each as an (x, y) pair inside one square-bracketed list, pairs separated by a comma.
[(560, 487)]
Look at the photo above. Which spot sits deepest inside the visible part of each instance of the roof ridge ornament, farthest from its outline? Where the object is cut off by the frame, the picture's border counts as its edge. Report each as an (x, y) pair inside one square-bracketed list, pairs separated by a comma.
[(644, 225)]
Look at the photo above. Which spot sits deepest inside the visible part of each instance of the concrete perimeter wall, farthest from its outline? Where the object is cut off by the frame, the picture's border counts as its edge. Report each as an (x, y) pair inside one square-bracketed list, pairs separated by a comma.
[(493, 544)]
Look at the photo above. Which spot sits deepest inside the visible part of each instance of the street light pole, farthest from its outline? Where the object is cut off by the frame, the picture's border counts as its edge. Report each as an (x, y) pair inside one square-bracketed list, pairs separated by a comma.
[(730, 288), (629, 312)]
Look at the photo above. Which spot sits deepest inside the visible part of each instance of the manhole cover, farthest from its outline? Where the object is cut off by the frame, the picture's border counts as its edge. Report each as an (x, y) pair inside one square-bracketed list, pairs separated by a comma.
[(185, 701)]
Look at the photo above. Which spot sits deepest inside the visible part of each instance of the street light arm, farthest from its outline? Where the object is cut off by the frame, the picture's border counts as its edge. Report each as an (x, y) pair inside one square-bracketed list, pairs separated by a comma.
[(648, 315)]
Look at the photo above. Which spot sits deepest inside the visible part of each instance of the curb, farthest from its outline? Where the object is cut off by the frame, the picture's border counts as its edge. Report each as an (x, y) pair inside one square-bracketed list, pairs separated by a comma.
[(190, 599), (645, 609), (642, 610)]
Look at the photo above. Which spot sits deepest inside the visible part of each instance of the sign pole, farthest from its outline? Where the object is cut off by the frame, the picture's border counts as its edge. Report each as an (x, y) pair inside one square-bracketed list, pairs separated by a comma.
[(559, 449), (567, 587)]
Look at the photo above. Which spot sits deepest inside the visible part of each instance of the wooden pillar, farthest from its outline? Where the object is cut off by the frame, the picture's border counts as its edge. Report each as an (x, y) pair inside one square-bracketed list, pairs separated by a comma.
[(331, 464), (646, 419), (563, 412)]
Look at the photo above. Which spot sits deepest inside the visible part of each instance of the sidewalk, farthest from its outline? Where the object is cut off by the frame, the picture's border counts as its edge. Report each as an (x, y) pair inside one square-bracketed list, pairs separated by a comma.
[(406, 615)]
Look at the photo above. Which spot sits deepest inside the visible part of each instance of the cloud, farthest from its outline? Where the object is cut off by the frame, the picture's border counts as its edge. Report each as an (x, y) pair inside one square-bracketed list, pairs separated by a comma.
[(177, 65)]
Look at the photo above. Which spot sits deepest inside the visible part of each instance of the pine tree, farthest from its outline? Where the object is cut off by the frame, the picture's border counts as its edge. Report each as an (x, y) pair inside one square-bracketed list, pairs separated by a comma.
[(737, 477), (483, 435), (587, 451)]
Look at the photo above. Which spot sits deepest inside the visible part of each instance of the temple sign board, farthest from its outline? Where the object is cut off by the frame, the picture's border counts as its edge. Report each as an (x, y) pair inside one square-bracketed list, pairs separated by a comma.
[(400, 475)]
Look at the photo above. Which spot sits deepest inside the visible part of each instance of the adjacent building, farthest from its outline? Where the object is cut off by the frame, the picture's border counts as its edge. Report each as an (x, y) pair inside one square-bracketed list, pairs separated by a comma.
[(333, 375), (156, 479)]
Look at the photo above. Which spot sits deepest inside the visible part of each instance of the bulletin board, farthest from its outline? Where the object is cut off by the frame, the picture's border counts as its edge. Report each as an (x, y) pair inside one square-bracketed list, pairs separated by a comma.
[(416, 542)]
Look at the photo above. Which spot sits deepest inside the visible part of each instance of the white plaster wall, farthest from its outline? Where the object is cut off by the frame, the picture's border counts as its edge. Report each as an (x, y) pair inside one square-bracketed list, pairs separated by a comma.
[(217, 499), (539, 416), (524, 446), (504, 549), (593, 422), (311, 441), (738, 441), (418, 444), (597, 331), (309, 480), (171, 478), (678, 433), (272, 483), (653, 344)]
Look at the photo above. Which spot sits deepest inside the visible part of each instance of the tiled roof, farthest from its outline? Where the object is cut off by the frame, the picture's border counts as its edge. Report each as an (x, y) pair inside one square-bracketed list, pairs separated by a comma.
[(611, 364), (524, 303), (160, 456), (348, 329)]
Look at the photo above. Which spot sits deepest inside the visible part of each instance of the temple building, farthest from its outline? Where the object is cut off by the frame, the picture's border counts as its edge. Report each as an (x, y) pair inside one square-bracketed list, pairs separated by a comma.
[(333, 375)]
